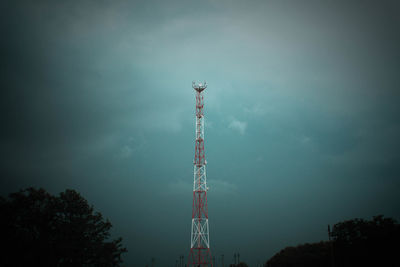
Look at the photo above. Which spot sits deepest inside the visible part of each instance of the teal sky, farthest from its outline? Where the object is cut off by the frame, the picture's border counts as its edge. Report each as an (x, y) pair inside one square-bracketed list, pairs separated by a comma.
[(301, 110)]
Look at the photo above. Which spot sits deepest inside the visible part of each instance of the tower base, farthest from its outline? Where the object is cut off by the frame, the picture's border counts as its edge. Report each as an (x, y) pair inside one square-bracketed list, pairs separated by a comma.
[(200, 257)]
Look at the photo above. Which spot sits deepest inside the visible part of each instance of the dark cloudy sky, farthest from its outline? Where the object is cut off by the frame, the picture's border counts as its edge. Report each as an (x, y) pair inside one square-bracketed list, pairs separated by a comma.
[(302, 115)]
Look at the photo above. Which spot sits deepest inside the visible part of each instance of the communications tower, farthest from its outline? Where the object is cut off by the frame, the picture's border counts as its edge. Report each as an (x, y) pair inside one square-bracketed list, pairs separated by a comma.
[(200, 255)]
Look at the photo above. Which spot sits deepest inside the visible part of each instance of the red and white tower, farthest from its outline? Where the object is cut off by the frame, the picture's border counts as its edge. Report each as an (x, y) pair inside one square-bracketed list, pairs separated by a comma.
[(200, 241)]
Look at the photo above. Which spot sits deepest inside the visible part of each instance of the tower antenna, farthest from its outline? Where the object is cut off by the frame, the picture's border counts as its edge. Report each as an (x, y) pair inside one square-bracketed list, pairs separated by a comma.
[(200, 241)]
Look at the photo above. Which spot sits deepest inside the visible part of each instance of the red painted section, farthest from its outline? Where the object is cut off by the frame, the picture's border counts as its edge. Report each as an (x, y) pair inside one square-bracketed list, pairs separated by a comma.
[(200, 257)]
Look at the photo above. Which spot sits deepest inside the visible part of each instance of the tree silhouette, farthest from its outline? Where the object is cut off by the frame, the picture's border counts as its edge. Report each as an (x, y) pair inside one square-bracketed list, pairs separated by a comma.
[(39, 229), (361, 242), (354, 242), (307, 255)]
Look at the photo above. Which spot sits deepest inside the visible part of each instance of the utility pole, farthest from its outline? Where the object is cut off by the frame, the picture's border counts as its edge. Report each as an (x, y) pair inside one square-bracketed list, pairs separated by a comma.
[(331, 245), (200, 254)]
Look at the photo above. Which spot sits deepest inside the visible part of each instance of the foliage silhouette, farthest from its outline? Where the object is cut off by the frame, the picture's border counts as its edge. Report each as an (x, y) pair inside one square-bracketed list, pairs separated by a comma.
[(360, 242), (44, 230), (310, 255), (354, 242)]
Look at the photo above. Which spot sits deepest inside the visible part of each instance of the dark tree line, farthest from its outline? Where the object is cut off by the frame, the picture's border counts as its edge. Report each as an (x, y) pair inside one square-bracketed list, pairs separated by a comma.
[(361, 242), (307, 255), (39, 229), (354, 242)]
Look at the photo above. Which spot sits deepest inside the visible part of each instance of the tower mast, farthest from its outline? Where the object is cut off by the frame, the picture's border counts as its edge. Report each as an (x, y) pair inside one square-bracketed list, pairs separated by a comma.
[(200, 242)]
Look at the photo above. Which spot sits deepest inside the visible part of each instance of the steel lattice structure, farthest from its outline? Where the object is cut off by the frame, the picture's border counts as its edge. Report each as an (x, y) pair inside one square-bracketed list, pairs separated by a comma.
[(200, 240)]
